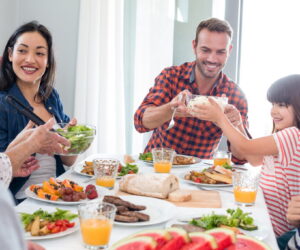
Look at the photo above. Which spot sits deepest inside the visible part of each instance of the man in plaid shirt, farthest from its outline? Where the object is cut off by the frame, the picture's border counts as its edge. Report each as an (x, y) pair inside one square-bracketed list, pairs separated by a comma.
[(204, 76)]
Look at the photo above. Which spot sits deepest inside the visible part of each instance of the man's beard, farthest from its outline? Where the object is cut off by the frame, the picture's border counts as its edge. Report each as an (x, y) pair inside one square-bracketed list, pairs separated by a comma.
[(201, 67)]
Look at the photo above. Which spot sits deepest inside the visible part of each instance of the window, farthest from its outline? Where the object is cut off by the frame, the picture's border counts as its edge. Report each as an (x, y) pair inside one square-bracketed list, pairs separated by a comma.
[(269, 51)]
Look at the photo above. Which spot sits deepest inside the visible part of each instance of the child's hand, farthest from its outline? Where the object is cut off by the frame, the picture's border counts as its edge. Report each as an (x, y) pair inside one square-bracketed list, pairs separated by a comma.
[(210, 112), (293, 212), (233, 115)]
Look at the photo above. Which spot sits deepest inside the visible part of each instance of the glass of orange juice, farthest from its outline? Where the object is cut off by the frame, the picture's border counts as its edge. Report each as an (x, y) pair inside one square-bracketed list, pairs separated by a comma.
[(222, 157), (163, 159), (96, 222), (245, 185), (105, 170)]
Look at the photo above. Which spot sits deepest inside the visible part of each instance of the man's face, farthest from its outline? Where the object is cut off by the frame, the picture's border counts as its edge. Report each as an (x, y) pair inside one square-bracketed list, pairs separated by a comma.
[(212, 51)]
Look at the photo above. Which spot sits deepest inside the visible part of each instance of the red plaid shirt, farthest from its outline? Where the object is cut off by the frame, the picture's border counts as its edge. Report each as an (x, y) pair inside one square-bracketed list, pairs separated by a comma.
[(189, 136)]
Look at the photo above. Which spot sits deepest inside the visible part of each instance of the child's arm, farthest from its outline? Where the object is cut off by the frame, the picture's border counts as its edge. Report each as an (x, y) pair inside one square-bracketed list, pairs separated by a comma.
[(293, 212), (253, 148)]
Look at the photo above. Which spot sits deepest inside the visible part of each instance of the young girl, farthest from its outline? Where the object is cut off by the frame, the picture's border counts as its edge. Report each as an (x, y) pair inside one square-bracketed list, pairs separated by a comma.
[(27, 72), (279, 153)]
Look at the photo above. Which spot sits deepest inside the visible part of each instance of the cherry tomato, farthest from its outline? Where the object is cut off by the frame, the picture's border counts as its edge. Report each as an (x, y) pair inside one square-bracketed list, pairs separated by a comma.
[(71, 224), (50, 225), (55, 230), (59, 223), (63, 228), (198, 180), (130, 172)]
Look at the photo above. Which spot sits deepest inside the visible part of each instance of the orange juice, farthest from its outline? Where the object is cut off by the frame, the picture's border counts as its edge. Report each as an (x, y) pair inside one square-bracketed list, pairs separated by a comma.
[(163, 166), (96, 232), (244, 195), (106, 181), (221, 161)]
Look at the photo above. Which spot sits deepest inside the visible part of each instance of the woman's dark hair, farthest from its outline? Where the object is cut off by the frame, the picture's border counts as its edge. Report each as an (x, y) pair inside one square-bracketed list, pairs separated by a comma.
[(287, 90), (7, 75)]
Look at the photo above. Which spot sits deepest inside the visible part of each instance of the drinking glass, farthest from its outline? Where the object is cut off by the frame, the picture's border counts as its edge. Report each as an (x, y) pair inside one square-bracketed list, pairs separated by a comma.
[(245, 185), (222, 157), (163, 159), (105, 170), (96, 222)]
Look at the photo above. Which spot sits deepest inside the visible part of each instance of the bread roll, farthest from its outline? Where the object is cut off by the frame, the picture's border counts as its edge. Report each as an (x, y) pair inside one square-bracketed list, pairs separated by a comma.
[(152, 185), (180, 195)]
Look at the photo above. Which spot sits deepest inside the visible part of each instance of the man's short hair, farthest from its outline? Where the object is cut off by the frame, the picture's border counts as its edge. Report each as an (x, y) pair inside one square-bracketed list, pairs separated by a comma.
[(214, 25)]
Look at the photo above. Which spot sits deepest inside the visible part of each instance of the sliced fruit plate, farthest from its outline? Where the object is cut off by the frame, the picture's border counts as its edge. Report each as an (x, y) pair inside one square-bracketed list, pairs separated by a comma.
[(65, 192), (178, 239)]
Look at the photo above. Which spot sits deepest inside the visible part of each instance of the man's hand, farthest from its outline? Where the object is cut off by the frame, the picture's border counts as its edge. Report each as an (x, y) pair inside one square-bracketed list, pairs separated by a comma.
[(30, 165), (233, 115), (179, 102), (293, 211)]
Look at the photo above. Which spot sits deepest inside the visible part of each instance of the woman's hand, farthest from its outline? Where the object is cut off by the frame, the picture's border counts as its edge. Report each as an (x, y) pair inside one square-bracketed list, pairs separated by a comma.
[(30, 165), (293, 211)]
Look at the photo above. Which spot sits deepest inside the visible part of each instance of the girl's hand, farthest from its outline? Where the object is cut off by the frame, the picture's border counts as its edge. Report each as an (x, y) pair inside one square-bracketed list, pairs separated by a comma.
[(210, 112), (293, 211), (233, 115)]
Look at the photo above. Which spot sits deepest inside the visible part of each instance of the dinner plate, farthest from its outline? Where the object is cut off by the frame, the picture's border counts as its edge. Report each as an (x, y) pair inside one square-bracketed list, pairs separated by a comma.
[(78, 168), (181, 176), (28, 236), (261, 233), (197, 160), (100, 190), (158, 210)]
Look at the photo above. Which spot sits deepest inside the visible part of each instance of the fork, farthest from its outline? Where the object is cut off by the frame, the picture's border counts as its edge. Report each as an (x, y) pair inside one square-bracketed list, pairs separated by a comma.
[(172, 122), (215, 189)]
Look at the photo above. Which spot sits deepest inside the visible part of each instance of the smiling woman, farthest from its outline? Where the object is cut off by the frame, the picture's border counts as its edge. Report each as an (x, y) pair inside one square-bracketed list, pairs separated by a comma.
[(27, 73)]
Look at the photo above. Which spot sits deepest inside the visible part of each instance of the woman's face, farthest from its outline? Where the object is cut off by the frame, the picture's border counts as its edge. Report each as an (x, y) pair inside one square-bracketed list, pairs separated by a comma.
[(29, 57), (283, 116)]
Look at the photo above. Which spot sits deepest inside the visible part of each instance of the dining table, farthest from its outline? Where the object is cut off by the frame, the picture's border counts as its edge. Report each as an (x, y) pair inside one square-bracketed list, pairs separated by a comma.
[(74, 240)]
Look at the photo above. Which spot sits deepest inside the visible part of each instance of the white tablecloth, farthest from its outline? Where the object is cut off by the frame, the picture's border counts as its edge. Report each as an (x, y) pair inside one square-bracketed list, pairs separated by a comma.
[(74, 241)]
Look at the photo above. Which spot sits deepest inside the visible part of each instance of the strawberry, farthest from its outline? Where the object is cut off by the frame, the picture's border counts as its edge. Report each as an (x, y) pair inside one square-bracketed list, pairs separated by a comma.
[(92, 194), (90, 187)]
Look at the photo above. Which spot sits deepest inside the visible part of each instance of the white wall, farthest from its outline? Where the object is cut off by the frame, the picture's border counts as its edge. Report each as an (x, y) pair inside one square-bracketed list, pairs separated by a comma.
[(61, 18)]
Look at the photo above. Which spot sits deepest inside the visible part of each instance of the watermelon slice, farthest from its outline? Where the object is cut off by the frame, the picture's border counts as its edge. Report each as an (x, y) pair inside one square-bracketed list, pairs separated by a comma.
[(248, 243), (224, 237), (206, 240), (138, 243), (179, 239), (159, 235)]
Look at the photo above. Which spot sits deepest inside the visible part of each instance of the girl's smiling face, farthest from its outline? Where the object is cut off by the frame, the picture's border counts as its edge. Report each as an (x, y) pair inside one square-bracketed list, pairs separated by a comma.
[(29, 57), (283, 116)]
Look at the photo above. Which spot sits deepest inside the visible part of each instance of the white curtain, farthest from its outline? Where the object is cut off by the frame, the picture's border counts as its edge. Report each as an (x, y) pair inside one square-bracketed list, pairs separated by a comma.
[(100, 92)]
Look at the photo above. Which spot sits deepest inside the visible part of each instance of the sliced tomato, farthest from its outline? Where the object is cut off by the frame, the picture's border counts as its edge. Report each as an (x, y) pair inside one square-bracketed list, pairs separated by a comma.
[(55, 230), (63, 228), (50, 225), (71, 224), (59, 222)]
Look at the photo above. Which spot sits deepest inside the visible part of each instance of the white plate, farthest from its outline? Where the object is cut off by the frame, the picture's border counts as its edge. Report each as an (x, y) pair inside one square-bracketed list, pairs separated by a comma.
[(77, 168), (100, 190), (197, 160), (261, 233), (28, 236), (158, 210), (181, 176)]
